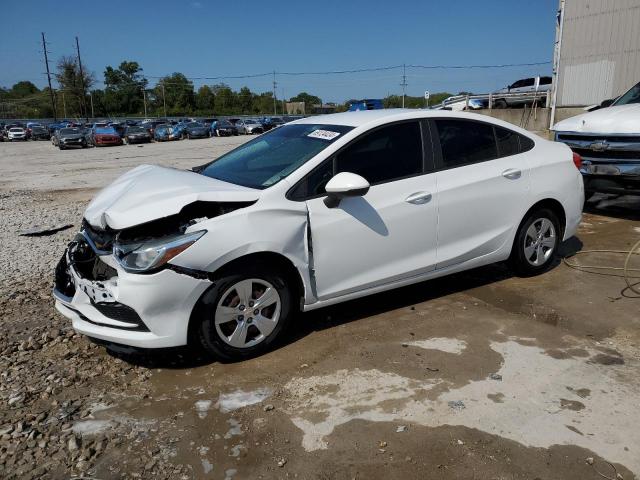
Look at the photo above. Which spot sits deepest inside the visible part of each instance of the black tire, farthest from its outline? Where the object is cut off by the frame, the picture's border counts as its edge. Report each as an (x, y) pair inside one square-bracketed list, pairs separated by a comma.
[(519, 260), (61, 147), (500, 104), (208, 335), (587, 196)]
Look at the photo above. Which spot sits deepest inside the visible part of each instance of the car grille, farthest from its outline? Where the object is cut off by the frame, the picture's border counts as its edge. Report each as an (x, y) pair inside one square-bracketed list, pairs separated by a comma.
[(601, 148), (122, 313)]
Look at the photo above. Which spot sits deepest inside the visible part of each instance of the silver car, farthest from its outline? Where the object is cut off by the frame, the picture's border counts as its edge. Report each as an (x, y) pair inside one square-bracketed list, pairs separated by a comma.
[(249, 126)]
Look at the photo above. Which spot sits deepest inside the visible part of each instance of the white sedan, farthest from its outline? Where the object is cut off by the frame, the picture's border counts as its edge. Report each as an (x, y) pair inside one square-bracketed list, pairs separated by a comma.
[(316, 212), (17, 133)]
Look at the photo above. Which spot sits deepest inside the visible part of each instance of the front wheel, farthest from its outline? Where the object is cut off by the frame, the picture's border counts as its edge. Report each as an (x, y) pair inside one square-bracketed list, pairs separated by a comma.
[(536, 243), (245, 312)]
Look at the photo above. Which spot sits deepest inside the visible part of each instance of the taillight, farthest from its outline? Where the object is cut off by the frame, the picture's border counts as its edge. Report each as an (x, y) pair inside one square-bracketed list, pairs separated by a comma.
[(577, 160)]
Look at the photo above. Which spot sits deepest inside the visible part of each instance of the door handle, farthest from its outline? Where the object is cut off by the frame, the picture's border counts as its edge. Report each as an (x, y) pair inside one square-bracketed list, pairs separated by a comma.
[(512, 173), (418, 198)]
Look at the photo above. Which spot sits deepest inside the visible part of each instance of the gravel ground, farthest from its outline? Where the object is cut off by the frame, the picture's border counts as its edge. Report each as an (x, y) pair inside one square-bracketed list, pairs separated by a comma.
[(480, 375)]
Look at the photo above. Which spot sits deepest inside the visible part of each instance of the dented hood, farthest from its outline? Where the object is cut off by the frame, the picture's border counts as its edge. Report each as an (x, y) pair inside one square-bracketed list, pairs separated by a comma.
[(150, 192), (617, 119)]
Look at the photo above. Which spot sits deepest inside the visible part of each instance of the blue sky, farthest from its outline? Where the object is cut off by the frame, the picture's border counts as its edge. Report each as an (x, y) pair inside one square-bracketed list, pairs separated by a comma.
[(215, 38)]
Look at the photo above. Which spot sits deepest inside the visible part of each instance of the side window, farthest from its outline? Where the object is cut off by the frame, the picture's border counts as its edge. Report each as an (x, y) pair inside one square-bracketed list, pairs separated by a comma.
[(464, 141), (528, 82), (388, 153), (508, 143), (518, 84), (545, 80), (314, 183)]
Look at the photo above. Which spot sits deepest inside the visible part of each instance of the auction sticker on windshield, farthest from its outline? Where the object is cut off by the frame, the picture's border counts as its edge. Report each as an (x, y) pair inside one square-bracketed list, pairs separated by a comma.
[(324, 134)]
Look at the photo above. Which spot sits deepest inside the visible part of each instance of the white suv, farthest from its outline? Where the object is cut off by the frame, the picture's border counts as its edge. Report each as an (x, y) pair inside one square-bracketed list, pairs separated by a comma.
[(316, 212)]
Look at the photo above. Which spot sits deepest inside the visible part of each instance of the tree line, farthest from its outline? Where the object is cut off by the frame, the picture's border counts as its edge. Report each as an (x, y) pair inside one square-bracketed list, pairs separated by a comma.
[(127, 92)]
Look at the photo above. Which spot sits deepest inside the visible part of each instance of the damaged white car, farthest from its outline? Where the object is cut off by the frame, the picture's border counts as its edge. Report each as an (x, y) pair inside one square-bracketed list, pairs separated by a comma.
[(316, 212)]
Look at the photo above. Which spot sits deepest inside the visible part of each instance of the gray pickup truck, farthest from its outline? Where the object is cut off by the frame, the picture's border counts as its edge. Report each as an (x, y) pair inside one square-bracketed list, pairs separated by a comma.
[(608, 140)]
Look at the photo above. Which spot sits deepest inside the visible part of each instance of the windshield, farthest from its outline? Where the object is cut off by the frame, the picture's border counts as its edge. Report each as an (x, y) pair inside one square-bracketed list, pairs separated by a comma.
[(632, 96), (69, 131), (271, 157), (249, 121), (224, 123), (136, 130), (195, 125)]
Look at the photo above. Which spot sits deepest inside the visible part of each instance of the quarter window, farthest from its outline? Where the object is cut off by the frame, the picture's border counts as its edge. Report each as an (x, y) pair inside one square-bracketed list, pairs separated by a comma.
[(386, 154), (508, 143), (463, 142)]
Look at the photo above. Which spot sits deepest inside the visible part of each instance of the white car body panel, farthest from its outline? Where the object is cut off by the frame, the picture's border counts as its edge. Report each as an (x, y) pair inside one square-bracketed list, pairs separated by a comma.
[(366, 245), (498, 205), (370, 231), (623, 119), (149, 192)]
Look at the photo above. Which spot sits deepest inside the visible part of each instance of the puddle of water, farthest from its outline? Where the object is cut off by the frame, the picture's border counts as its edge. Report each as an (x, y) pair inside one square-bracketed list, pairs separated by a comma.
[(91, 427), (202, 407), (206, 466), (228, 402), (529, 405), (448, 345), (235, 428)]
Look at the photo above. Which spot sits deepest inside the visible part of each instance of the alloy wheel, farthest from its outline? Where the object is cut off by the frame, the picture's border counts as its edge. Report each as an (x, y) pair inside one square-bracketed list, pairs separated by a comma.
[(540, 241), (247, 313)]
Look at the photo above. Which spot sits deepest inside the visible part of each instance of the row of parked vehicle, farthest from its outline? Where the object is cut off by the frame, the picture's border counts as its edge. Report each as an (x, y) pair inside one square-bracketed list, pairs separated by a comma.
[(67, 134)]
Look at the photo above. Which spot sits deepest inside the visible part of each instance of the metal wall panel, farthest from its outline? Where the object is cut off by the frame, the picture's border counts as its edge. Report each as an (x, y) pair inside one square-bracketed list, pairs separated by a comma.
[(600, 56)]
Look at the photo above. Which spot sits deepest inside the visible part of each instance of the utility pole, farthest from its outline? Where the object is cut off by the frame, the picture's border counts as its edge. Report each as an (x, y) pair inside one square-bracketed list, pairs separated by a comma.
[(274, 92), (404, 82), (144, 99), (164, 101), (91, 97), (64, 106), (83, 100), (46, 62)]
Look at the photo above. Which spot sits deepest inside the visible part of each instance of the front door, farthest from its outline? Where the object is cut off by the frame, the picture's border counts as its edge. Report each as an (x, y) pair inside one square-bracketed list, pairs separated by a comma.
[(389, 233)]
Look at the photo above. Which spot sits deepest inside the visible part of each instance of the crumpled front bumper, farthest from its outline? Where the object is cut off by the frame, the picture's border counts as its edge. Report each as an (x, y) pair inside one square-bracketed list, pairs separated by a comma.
[(147, 311)]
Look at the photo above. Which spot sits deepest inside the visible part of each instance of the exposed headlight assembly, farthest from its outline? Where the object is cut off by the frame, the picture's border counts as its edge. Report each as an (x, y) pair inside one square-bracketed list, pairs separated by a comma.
[(151, 254)]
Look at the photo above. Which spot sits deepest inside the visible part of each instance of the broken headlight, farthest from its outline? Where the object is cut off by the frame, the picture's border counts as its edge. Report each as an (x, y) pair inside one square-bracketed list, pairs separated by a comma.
[(150, 254)]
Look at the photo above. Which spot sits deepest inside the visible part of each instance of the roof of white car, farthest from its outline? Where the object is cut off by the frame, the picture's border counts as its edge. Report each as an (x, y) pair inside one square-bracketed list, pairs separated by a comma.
[(362, 117)]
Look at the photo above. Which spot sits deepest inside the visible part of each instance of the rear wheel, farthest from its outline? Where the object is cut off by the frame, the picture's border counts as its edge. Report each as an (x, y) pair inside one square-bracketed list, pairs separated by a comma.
[(500, 104), (245, 312), (536, 243)]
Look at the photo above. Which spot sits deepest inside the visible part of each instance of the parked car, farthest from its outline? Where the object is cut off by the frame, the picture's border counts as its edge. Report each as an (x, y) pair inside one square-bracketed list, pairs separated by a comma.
[(38, 132), (223, 128), (166, 132), (208, 121), (271, 122), (151, 126), (458, 103), (222, 254), (526, 85), (104, 137), (249, 126), (17, 133), (69, 137), (608, 140), (136, 134), (120, 128), (196, 130)]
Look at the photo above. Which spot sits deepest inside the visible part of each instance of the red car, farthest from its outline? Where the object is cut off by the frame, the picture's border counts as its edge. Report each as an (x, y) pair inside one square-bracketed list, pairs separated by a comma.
[(105, 136)]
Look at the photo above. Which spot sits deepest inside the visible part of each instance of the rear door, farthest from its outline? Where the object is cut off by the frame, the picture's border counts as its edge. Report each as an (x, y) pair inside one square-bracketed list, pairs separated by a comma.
[(483, 187), (385, 235)]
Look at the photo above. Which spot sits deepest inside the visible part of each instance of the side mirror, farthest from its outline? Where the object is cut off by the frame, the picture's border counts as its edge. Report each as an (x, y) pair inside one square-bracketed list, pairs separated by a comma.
[(343, 185), (607, 103)]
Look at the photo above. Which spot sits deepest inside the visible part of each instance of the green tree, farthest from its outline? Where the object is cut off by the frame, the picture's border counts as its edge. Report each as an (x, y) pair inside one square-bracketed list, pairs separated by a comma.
[(177, 91), (308, 99), (73, 86), (205, 100), (23, 89), (124, 88)]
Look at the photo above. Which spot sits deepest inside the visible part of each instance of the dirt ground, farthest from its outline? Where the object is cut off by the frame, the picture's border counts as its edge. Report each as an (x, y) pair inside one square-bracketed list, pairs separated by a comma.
[(481, 375)]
